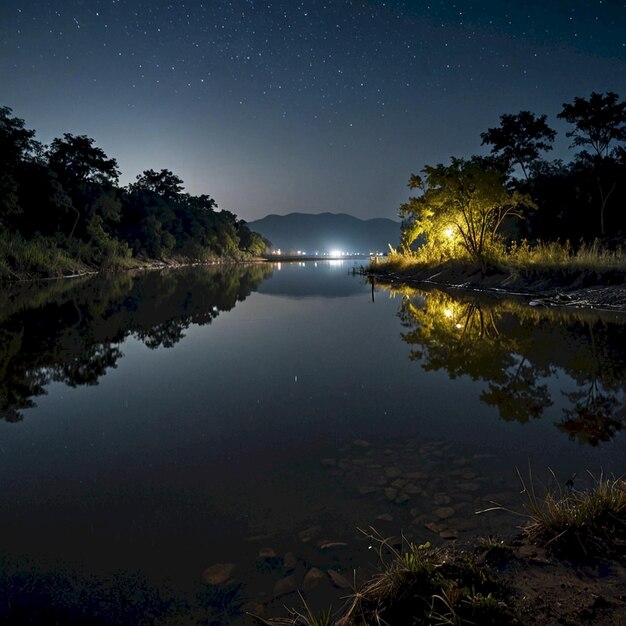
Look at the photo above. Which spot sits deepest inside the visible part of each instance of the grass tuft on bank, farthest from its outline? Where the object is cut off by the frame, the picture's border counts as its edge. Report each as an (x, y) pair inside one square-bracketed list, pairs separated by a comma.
[(578, 524)]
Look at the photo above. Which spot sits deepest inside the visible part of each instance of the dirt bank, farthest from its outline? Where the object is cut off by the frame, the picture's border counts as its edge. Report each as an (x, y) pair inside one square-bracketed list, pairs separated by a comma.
[(564, 287)]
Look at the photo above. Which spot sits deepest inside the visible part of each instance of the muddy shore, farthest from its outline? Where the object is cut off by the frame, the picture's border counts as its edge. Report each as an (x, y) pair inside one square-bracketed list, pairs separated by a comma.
[(570, 287)]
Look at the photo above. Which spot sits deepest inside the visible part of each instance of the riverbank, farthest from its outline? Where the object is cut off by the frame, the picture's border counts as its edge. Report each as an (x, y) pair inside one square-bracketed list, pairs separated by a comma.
[(563, 286)]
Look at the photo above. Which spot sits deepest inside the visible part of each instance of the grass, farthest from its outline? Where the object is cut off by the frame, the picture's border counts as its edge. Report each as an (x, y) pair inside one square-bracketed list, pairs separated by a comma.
[(521, 257), (576, 523)]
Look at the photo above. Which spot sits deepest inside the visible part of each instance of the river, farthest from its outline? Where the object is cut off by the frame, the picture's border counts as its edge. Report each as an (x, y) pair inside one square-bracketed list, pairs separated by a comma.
[(272, 418)]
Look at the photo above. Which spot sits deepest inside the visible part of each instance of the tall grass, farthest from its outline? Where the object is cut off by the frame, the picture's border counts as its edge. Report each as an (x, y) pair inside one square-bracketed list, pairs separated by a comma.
[(591, 522)]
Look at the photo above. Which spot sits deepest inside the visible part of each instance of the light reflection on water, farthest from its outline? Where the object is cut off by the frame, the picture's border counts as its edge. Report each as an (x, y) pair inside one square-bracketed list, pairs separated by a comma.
[(167, 421)]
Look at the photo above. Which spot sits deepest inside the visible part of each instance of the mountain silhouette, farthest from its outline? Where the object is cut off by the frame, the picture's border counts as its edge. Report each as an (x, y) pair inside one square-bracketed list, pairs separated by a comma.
[(323, 233)]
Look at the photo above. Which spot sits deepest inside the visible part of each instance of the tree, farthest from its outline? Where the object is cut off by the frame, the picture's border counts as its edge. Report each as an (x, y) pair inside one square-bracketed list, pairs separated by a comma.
[(599, 123), (520, 139), (463, 204), (75, 159), (164, 183), (16, 144)]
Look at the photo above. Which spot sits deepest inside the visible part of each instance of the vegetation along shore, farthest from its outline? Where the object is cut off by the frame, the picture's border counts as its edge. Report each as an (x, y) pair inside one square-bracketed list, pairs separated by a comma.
[(63, 212), (515, 222)]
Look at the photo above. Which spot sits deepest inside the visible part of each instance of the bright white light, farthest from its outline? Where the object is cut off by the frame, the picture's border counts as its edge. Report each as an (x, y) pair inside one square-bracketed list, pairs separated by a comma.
[(448, 313), (448, 232), (335, 253)]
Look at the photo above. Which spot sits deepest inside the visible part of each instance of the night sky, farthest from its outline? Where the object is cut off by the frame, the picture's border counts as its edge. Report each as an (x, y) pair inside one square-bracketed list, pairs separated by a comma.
[(313, 105)]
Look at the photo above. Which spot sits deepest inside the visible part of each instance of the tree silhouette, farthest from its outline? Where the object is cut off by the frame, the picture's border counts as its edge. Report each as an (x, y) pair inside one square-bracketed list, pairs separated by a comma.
[(520, 139)]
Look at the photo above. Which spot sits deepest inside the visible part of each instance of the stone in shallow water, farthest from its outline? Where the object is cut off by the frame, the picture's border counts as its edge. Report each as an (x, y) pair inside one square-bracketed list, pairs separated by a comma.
[(218, 574), (361, 443), (253, 608), (313, 578), (448, 534), (391, 493), (444, 512), (436, 528), (267, 553), (469, 486), (284, 586), (339, 580), (392, 472), (290, 561), (412, 489), (385, 517), (402, 498), (441, 498), (398, 483)]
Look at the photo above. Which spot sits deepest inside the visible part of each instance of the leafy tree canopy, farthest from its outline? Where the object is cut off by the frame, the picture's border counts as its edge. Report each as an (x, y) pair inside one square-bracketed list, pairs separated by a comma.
[(520, 139)]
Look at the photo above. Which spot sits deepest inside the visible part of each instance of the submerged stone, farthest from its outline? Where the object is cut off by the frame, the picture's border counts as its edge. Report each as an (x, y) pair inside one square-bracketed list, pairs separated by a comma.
[(385, 517), (444, 512), (361, 443), (339, 580), (313, 578), (290, 561), (284, 586), (218, 574), (309, 534)]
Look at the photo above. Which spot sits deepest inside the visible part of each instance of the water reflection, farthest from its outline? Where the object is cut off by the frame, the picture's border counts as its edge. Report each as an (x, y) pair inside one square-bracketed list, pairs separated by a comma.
[(71, 331), (521, 354)]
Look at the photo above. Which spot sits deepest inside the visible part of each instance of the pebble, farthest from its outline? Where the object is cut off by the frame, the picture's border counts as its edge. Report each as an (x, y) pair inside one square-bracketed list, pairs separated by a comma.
[(444, 512), (339, 580), (448, 534), (402, 498), (391, 493), (433, 527), (284, 586), (290, 561), (266, 553), (385, 517), (218, 574), (313, 578), (398, 483), (392, 472), (361, 443), (441, 498)]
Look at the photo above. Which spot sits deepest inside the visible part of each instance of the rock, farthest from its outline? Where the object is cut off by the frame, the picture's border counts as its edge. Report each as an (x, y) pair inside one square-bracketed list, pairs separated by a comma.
[(328, 462), (415, 475), (266, 553), (218, 574), (392, 472), (338, 580), (402, 498), (415, 511), (361, 443), (398, 483), (253, 608), (290, 562), (448, 534), (308, 534), (313, 578), (433, 527), (469, 474), (412, 489), (444, 512), (385, 517), (284, 586), (441, 498), (469, 486), (344, 464), (391, 493), (459, 462)]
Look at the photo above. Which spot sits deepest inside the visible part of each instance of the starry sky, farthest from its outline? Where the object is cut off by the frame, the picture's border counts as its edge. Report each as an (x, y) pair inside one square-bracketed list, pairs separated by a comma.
[(276, 106)]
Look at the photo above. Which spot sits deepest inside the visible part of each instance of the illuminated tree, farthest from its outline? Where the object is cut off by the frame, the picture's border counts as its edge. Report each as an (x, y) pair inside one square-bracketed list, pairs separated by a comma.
[(462, 206), (520, 139)]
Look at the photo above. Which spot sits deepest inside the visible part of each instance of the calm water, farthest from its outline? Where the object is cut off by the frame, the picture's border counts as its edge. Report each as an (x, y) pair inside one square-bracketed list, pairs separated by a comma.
[(161, 423)]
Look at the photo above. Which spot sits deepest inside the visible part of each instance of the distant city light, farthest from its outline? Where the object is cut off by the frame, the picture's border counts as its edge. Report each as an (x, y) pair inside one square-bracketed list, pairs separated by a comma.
[(335, 253)]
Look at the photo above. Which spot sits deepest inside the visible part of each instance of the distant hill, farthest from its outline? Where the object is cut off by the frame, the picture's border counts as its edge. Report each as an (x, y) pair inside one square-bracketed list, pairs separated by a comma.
[(327, 232)]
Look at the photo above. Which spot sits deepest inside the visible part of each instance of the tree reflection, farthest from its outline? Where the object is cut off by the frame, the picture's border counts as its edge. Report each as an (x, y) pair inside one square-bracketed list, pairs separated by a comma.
[(71, 331), (515, 349)]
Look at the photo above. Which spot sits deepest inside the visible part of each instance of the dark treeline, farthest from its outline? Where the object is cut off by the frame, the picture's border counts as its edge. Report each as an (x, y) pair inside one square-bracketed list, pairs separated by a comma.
[(63, 203), (479, 201)]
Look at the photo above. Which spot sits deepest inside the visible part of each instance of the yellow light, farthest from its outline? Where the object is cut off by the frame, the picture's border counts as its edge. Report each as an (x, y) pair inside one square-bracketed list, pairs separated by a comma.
[(449, 232), (448, 313)]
